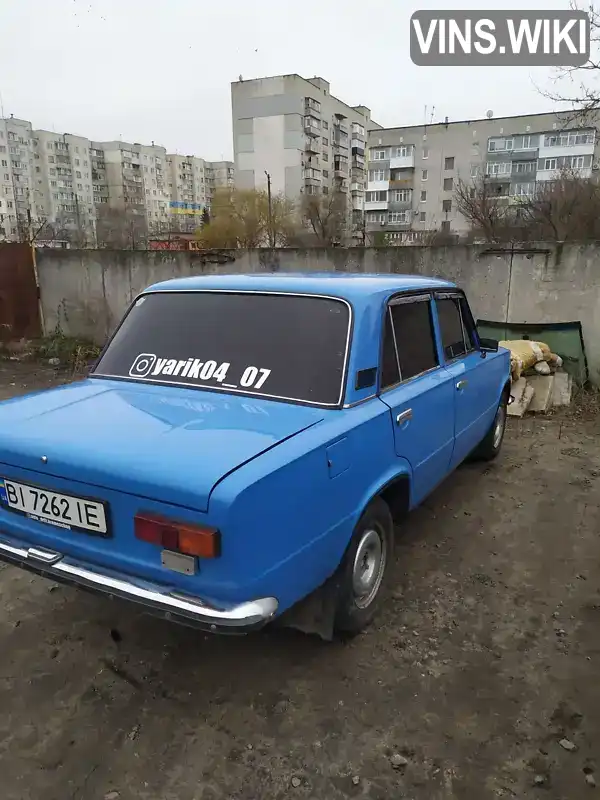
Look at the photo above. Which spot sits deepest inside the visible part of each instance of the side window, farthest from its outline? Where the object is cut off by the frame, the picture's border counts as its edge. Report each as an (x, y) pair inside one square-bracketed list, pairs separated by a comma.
[(457, 329), (389, 363), (468, 325), (415, 339)]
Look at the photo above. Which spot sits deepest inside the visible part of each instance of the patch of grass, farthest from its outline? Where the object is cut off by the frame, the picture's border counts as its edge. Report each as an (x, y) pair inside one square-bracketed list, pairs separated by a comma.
[(585, 403), (72, 351)]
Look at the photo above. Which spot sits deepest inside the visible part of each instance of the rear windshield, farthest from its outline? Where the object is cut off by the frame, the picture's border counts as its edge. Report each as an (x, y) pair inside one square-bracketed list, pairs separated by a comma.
[(281, 346)]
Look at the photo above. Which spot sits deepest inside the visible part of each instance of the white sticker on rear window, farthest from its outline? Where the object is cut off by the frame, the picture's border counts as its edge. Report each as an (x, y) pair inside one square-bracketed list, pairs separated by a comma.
[(149, 365)]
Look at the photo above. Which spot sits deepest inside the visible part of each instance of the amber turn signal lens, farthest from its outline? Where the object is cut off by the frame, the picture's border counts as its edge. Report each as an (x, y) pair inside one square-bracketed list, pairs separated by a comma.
[(193, 540), (201, 542)]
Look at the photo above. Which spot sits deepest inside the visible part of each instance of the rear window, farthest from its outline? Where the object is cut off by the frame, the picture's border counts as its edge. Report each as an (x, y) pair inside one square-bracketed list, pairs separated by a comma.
[(280, 346)]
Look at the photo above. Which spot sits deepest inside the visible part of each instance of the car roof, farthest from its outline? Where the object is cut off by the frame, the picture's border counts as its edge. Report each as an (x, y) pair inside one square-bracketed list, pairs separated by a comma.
[(348, 285)]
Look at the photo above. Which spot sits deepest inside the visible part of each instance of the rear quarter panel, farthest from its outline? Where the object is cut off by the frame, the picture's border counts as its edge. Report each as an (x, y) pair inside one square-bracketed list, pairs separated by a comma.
[(287, 517)]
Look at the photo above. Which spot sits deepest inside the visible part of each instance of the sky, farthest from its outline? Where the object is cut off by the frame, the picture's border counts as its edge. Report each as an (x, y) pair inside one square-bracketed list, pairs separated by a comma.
[(144, 70)]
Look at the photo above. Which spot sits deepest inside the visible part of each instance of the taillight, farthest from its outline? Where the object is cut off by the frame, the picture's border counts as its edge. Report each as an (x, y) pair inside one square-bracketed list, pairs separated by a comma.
[(193, 540)]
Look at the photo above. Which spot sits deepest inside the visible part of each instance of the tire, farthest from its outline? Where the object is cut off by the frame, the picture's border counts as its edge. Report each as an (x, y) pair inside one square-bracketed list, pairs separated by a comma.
[(365, 569), (491, 444)]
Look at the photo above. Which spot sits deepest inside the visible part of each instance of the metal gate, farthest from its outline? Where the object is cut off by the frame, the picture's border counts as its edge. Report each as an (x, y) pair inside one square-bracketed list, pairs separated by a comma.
[(19, 297)]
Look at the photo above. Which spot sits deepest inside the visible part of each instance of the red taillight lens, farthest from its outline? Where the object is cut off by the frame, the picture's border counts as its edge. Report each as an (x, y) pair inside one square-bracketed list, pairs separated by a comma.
[(193, 540)]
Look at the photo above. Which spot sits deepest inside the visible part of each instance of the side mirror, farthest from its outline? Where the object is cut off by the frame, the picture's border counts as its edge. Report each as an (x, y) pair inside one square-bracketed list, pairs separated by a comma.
[(488, 345)]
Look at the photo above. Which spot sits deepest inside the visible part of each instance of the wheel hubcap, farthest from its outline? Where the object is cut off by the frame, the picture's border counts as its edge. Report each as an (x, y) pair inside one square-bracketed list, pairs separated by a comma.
[(499, 425), (369, 565)]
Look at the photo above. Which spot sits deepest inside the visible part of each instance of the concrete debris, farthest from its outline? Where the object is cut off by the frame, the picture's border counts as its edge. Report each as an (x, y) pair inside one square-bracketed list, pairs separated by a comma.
[(523, 394), (562, 390), (355, 780), (590, 780), (296, 782), (54, 362), (567, 744), (112, 796), (543, 386), (539, 780), (398, 761)]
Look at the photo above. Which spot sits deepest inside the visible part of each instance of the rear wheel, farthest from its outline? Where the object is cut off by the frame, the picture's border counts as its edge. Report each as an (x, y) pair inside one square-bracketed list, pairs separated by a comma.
[(492, 443), (365, 569)]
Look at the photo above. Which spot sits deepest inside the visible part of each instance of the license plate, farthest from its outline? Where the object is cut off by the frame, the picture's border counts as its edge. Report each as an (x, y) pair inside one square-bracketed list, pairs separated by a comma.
[(52, 508)]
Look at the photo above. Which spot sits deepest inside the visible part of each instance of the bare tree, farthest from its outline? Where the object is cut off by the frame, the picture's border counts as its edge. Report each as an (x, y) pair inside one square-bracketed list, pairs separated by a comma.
[(327, 216), (565, 209), (121, 229), (479, 203), (580, 86)]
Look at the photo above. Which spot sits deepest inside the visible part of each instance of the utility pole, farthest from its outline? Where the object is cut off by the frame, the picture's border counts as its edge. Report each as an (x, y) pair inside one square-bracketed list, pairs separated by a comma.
[(271, 237)]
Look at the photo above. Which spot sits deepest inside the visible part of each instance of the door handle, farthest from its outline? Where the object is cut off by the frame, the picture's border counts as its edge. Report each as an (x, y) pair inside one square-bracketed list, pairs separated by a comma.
[(404, 416), (461, 385)]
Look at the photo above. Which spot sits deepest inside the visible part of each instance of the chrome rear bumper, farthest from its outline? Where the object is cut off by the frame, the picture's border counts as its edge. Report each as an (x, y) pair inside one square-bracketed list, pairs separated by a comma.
[(156, 599)]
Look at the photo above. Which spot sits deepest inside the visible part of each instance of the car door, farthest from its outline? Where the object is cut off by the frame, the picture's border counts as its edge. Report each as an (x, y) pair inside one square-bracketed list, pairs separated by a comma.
[(418, 391), (475, 395)]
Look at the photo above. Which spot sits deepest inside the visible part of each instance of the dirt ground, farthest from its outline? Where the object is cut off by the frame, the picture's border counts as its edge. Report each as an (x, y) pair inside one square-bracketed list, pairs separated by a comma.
[(486, 656)]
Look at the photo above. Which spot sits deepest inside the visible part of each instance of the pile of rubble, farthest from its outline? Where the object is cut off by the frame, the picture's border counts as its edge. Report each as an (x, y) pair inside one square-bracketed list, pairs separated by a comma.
[(538, 381)]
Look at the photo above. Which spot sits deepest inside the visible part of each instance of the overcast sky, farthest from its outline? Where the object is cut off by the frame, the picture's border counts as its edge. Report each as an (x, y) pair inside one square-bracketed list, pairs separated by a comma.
[(144, 70)]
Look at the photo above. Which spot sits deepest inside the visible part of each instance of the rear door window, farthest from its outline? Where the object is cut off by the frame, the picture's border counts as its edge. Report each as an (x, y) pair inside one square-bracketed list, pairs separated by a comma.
[(280, 346), (409, 340), (456, 327)]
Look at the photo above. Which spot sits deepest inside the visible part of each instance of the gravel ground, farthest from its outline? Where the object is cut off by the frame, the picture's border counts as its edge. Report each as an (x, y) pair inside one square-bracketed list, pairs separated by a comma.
[(479, 680)]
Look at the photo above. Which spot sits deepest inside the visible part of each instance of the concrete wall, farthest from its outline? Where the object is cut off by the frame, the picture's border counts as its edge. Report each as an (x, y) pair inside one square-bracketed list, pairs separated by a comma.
[(87, 292)]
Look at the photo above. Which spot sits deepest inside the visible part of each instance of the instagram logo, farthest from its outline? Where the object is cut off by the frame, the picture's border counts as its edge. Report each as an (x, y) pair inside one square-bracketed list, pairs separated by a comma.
[(142, 365)]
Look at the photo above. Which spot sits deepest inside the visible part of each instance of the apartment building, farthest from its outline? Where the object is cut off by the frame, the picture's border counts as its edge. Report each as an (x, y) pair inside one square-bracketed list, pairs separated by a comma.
[(304, 138), (190, 190), (72, 182), (135, 179), (16, 176), (63, 184), (413, 171)]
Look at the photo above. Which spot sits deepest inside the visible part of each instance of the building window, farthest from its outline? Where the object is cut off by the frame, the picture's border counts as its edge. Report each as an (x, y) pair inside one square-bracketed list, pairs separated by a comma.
[(423, 196), (378, 155), (325, 173), (550, 163), (401, 196), (49, 145), (568, 139), (524, 189), (501, 144), (51, 159), (575, 162), (422, 216), (446, 226), (425, 152), (325, 157), (402, 152), (524, 166), (377, 175), (376, 197), (325, 141), (325, 125), (424, 174), (448, 184), (325, 190), (498, 167), (449, 163), (396, 217), (446, 206)]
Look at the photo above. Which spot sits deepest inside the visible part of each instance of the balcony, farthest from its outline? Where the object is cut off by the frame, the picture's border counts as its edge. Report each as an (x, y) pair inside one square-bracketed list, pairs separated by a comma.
[(340, 170), (376, 205), (312, 126), (341, 126), (312, 106), (401, 183), (312, 145), (403, 162), (356, 188)]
